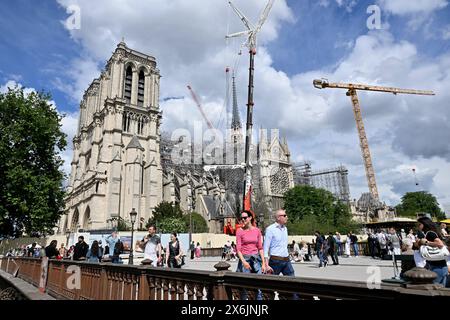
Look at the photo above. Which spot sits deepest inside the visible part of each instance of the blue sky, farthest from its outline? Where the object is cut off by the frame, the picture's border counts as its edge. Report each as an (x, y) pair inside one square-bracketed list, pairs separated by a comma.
[(302, 40)]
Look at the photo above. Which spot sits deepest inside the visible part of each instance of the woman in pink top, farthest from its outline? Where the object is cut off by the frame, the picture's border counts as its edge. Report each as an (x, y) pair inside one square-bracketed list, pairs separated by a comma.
[(249, 246)]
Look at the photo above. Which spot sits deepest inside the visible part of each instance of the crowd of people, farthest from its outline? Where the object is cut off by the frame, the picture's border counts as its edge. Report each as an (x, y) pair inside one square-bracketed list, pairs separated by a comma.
[(272, 254)]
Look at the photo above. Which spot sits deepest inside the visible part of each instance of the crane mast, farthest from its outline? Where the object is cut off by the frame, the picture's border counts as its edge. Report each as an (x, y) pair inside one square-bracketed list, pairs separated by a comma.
[(363, 142)]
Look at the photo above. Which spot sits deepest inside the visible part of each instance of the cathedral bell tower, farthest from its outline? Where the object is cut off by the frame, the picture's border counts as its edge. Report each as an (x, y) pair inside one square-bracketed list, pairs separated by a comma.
[(116, 160)]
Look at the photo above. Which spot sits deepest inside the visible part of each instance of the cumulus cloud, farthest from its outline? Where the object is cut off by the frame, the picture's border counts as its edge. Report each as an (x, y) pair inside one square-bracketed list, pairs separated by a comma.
[(406, 7), (187, 39)]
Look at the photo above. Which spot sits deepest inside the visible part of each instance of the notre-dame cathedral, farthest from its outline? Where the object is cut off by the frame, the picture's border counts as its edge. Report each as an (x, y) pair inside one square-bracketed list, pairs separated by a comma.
[(120, 161)]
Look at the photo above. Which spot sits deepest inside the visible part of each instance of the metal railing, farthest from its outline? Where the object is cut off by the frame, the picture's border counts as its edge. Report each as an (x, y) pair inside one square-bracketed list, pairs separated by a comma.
[(105, 281)]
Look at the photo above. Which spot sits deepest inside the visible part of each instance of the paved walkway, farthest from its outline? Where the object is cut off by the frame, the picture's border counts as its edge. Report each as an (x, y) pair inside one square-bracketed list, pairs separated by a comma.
[(350, 269)]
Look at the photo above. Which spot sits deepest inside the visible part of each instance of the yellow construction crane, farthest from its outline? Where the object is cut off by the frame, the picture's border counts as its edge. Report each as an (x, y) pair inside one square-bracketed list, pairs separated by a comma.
[(370, 174)]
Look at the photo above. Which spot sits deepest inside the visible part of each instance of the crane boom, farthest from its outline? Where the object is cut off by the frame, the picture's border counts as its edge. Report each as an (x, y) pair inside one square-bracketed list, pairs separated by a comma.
[(320, 84), (197, 101), (363, 142)]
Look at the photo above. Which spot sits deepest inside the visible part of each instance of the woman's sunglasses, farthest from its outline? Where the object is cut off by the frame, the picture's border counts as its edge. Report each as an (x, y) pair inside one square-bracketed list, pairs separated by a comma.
[(244, 218)]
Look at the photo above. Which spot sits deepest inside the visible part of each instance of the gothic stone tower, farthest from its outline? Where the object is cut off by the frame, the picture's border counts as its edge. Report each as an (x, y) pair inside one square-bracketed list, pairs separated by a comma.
[(116, 160)]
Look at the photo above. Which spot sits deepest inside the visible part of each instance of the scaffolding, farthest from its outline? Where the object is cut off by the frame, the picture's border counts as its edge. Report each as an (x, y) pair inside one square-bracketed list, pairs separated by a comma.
[(334, 180)]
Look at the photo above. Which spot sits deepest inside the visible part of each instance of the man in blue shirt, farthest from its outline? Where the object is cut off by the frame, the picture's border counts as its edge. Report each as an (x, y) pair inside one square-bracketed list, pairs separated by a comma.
[(276, 246), (111, 240)]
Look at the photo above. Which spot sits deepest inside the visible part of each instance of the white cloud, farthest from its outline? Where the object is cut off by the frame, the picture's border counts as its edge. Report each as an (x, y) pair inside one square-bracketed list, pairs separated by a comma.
[(347, 4), (187, 39), (407, 7), (446, 32)]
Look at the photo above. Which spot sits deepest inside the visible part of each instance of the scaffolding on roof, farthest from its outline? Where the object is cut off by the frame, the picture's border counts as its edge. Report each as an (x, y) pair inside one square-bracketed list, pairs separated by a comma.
[(333, 179)]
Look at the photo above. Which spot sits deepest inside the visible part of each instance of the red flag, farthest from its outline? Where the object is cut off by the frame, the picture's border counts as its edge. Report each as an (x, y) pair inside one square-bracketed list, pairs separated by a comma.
[(248, 204)]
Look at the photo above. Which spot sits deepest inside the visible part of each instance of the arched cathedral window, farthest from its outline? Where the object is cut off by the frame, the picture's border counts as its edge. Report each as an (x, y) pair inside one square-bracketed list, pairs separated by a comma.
[(140, 125), (141, 83), (128, 85)]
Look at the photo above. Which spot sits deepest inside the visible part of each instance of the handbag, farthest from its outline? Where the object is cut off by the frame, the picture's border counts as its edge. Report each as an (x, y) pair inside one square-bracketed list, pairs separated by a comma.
[(434, 253), (180, 261)]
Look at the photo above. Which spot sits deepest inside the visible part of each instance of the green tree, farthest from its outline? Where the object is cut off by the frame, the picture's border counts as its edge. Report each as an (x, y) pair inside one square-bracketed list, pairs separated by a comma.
[(122, 225), (312, 209), (165, 210), (420, 201), (199, 224), (170, 224), (31, 194)]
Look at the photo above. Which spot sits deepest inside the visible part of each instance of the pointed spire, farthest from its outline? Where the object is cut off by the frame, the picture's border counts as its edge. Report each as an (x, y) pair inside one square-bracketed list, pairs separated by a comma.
[(236, 121)]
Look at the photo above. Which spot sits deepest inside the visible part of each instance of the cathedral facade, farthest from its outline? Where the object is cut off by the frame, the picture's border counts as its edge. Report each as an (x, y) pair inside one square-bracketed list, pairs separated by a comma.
[(121, 162), (116, 158)]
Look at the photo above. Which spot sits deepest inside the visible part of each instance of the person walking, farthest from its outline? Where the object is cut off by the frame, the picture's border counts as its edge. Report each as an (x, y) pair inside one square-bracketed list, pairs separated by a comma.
[(332, 249), (151, 244), (192, 249), (347, 246), (338, 239), (249, 246), (320, 240), (81, 249), (94, 254), (198, 250), (354, 243), (174, 253), (276, 255), (249, 250)]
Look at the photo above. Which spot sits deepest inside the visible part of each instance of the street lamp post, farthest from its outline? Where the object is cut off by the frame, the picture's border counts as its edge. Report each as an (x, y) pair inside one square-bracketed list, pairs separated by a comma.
[(133, 215)]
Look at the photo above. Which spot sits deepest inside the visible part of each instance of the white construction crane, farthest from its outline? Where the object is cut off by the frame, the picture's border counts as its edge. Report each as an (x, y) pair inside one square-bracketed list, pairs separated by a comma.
[(251, 44), (252, 31)]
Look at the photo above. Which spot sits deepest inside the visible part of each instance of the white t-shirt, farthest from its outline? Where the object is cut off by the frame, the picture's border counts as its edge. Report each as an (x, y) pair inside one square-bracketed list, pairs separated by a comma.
[(150, 251)]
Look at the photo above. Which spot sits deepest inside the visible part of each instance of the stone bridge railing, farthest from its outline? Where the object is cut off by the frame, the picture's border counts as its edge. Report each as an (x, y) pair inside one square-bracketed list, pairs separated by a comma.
[(106, 281)]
